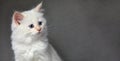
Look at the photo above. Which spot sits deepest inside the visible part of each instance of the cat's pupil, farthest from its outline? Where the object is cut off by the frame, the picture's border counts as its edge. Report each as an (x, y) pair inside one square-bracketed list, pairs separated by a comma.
[(40, 23), (31, 25)]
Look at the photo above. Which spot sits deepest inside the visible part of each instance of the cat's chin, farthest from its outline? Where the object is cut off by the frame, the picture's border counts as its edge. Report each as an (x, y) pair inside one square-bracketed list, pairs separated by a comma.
[(36, 33)]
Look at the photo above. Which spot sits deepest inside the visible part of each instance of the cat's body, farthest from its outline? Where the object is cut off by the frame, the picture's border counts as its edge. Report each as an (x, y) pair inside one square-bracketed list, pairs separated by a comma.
[(29, 37)]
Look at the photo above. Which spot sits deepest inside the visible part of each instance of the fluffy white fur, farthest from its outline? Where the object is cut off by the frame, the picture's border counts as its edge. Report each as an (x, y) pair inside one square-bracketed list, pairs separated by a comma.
[(27, 43)]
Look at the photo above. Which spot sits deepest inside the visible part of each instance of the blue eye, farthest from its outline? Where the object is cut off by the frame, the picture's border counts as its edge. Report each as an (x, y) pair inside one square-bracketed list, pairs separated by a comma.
[(40, 23), (31, 25)]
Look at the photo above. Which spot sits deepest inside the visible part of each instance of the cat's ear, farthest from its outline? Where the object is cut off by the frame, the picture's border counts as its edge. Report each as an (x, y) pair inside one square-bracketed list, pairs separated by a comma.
[(17, 17), (38, 8)]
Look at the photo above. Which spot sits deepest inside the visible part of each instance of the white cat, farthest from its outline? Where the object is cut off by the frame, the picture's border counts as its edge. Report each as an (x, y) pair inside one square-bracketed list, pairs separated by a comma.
[(29, 37)]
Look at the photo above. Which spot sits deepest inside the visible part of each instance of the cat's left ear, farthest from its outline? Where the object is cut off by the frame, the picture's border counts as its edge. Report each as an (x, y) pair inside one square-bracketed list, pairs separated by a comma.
[(38, 8)]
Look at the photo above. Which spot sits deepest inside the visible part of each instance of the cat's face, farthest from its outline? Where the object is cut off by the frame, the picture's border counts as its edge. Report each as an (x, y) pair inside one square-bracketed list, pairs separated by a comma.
[(29, 22)]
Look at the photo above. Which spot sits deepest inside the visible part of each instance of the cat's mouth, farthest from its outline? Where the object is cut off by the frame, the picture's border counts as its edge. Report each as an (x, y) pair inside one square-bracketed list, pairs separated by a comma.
[(36, 33), (39, 32)]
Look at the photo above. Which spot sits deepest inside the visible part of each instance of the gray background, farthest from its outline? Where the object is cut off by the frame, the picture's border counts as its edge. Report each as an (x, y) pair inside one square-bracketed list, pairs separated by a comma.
[(80, 30)]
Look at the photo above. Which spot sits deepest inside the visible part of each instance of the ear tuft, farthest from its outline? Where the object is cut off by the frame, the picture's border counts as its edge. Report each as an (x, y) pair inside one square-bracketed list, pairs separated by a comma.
[(17, 17)]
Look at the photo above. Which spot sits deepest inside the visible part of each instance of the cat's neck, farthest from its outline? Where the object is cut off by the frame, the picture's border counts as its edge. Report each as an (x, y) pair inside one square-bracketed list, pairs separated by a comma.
[(29, 39)]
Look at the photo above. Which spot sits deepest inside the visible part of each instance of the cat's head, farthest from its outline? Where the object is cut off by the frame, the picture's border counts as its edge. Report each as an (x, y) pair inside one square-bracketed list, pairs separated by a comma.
[(29, 22)]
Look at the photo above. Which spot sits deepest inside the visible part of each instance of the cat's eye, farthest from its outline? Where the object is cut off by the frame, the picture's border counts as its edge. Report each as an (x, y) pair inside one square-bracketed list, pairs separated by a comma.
[(40, 23), (31, 25)]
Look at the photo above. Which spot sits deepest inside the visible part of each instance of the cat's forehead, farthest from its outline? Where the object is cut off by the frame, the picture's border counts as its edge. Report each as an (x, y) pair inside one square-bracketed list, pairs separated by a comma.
[(33, 15)]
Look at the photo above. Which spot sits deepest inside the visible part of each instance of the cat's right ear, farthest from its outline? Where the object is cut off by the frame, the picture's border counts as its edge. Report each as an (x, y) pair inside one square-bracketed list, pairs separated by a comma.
[(17, 17), (38, 8)]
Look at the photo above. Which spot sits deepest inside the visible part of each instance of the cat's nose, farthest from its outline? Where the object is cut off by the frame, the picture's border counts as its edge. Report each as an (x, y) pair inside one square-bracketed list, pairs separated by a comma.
[(38, 29)]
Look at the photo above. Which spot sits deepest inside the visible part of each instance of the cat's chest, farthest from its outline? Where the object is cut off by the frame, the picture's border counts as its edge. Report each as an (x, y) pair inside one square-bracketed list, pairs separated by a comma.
[(35, 50), (33, 47)]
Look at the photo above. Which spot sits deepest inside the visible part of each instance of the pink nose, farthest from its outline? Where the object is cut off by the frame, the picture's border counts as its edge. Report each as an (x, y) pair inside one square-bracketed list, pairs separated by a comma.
[(39, 29)]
